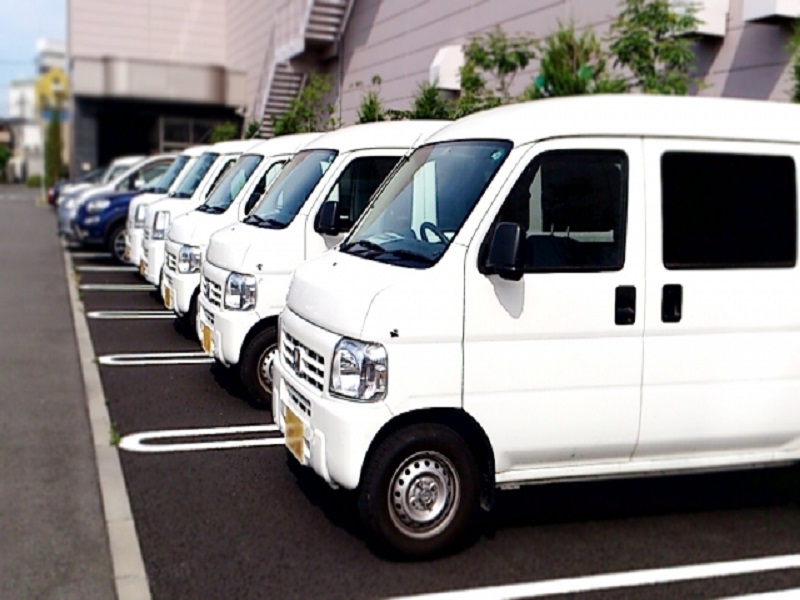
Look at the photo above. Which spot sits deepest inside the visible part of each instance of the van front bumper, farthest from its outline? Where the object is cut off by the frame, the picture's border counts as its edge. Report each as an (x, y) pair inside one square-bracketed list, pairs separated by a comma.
[(182, 287), (227, 330), (153, 251), (133, 245), (336, 434)]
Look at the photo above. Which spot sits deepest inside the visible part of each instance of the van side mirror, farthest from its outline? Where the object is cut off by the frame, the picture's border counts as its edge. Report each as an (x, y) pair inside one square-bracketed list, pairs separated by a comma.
[(507, 251), (138, 184), (327, 221)]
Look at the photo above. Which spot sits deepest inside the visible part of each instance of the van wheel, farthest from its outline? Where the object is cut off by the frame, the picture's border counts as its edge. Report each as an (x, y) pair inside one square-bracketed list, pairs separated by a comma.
[(419, 492), (115, 243), (189, 320), (256, 367)]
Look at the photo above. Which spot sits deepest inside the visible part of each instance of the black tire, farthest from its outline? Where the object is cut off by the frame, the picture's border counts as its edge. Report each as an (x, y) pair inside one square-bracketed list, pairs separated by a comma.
[(256, 382), (433, 450), (117, 250), (188, 321)]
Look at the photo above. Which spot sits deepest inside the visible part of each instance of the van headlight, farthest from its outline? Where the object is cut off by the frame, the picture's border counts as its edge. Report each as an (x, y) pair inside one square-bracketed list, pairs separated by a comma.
[(359, 371), (160, 225), (138, 216), (240, 292), (189, 258)]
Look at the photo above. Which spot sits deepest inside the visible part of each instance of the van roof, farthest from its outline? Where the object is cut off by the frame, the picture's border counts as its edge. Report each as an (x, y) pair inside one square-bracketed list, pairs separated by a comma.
[(631, 115), (385, 134), (234, 146), (284, 144), (196, 150)]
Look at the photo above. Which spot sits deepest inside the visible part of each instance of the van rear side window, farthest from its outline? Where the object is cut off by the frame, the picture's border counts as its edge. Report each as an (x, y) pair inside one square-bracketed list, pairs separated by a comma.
[(728, 211)]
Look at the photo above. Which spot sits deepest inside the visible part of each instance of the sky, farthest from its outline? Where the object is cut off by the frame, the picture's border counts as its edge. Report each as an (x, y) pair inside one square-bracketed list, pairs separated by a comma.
[(21, 23)]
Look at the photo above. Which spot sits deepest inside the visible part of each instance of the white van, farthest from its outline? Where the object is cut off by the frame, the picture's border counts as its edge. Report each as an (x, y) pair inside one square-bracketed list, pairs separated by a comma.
[(169, 184), (565, 289), (230, 202), (248, 265), (191, 194)]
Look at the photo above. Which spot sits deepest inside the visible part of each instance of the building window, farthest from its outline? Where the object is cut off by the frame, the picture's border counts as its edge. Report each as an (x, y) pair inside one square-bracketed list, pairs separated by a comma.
[(180, 133), (723, 211), (572, 206)]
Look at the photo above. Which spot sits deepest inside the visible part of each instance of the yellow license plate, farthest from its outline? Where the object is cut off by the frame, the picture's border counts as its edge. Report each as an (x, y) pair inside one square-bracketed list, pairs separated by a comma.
[(168, 297), (294, 434), (207, 339), (141, 267)]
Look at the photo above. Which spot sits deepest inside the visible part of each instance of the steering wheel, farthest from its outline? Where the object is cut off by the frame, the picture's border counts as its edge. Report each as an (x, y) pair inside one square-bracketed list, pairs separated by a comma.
[(428, 226)]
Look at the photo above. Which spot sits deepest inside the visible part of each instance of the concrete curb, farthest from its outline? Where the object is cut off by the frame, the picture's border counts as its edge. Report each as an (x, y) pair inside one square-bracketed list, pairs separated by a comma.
[(130, 578)]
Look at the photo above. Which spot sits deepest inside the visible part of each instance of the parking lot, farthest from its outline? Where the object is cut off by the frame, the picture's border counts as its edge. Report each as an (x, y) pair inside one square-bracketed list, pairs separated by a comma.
[(219, 513)]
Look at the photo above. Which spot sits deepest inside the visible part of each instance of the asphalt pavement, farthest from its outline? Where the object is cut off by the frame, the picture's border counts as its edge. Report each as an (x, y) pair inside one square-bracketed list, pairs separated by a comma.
[(220, 515)]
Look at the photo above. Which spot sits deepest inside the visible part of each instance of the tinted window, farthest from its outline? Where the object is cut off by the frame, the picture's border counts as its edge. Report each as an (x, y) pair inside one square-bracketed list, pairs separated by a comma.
[(197, 172), (291, 189), (234, 180), (356, 185), (423, 205), (571, 205), (728, 210)]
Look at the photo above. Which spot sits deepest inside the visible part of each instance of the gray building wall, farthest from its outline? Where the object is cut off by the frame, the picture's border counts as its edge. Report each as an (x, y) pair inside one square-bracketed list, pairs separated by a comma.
[(398, 39)]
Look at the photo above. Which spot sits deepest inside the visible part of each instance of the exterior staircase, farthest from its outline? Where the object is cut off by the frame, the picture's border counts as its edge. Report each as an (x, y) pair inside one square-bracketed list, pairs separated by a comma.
[(321, 23)]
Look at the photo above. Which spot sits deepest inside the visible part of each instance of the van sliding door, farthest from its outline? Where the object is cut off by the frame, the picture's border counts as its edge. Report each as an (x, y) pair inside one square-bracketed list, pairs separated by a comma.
[(722, 325)]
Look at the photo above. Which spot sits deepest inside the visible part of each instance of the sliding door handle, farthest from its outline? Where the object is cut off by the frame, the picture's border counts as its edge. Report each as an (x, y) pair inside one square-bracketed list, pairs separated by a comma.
[(671, 303), (625, 305)]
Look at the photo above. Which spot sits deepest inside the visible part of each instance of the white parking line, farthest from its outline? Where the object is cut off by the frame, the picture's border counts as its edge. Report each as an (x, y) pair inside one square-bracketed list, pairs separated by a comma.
[(115, 287), (628, 579), (138, 442), (89, 254), (104, 268), (112, 315), (155, 358)]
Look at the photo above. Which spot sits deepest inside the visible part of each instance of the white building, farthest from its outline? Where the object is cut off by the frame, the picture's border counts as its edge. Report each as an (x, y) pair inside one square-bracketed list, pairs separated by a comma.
[(28, 158)]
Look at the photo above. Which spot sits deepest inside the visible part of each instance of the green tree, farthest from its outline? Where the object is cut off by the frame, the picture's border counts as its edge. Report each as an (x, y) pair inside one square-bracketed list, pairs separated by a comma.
[(652, 42), (371, 108), (253, 130), (427, 103), (5, 155), (222, 132), (491, 62), (53, 148), (572, 64), (794, 49), (310, 111)]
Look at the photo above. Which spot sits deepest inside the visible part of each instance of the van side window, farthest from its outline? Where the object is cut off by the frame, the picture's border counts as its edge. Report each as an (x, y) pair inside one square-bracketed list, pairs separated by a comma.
[(357, 183), (572, 206), (723, 211)]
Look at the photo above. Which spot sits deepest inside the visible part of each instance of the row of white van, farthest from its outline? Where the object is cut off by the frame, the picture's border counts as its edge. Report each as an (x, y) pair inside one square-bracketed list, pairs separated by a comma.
[(566, 289)]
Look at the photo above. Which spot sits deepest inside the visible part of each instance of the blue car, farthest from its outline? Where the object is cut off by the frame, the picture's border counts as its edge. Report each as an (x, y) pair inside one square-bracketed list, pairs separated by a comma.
[(101, 222)]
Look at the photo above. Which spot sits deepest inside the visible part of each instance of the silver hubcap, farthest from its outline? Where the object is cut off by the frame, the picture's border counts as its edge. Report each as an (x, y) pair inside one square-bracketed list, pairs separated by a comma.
[(119, 245), (267, 364), (423, 495)]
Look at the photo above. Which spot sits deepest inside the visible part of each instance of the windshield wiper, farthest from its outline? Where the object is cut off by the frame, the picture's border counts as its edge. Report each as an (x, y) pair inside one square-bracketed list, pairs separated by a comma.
[(180, 195), (259, 221), (366, 244), (403, 253), (214, 210)]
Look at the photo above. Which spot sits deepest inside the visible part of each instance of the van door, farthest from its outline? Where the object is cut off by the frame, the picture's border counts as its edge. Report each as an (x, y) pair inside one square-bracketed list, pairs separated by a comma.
[(552, 363), (352, 189), (722, 325)]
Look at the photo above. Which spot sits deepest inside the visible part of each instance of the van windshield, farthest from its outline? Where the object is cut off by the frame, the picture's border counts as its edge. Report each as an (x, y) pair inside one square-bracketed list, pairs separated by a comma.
[(231, 184), (165, 182), (196, 174), (291, 189), (413, 219)]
